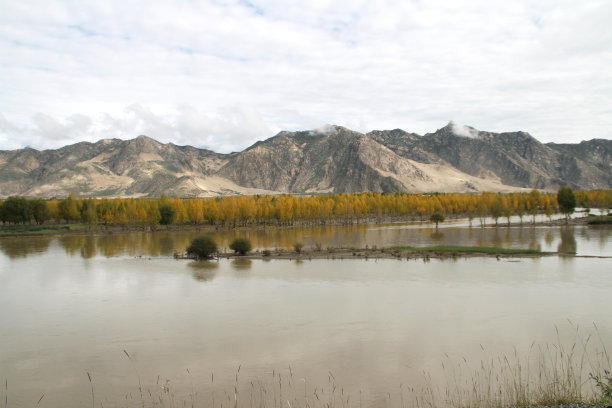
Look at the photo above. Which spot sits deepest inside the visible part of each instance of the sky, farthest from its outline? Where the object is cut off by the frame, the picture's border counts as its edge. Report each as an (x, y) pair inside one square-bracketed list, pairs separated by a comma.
[(224, 74)]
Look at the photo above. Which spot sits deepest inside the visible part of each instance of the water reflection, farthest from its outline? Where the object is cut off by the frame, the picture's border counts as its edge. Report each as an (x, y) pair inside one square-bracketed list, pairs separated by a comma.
[(241, 264), (72, 244), (204, 271), (568, 241), (496, 240), (18, 247), (534, 243), (437, 236), (604, 233), (586, 240)]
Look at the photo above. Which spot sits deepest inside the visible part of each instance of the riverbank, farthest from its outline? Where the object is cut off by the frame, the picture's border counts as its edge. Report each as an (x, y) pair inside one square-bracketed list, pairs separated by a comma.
[(15, 230)]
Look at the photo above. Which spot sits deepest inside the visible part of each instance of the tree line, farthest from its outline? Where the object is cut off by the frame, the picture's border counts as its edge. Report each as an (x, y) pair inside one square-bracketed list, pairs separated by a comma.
[(289, 209)]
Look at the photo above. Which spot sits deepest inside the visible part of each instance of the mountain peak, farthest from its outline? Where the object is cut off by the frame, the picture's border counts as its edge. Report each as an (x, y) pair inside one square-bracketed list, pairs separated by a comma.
[(145, 138), (461, 130), (329, 158)]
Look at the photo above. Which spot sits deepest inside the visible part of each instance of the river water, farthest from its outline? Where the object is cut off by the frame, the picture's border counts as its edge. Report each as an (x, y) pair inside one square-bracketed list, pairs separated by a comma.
[(120, 308)]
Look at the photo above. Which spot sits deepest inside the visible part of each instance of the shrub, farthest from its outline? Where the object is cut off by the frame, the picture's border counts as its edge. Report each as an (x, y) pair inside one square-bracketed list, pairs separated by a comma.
[(266, 252), (202, 247), (298, 247), (241, 245)]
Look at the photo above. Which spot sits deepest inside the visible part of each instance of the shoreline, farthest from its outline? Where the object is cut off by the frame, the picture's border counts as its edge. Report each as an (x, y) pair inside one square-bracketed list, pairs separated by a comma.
[(81, 229)]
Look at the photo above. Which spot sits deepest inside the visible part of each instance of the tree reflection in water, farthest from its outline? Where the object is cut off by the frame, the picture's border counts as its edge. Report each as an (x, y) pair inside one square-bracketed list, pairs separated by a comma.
[(496, 240), (241, 264), (204, 271), (508, 237), (166, 243), (437, 236), (20, 248), (89, 249), (568, 240), (533, 242), (604, 234)]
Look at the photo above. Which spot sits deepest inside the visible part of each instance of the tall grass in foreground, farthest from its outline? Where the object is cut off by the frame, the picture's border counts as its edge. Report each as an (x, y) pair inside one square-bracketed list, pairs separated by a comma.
[(577, 370), (550, 374)]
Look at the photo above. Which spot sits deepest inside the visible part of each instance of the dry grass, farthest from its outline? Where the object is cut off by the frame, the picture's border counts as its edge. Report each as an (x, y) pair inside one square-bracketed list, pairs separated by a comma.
[(547, 375)]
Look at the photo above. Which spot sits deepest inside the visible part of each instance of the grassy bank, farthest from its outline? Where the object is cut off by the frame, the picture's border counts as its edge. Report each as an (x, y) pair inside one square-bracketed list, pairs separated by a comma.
[(44, 229)]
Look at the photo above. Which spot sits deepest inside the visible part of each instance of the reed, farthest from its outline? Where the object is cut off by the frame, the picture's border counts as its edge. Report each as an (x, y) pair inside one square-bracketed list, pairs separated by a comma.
[(548, 375), (137, 375), (93, 398), (563, 372)]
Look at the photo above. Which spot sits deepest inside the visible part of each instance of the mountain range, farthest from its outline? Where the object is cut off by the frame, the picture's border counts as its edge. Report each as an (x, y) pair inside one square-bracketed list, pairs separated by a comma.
[(332, 159)]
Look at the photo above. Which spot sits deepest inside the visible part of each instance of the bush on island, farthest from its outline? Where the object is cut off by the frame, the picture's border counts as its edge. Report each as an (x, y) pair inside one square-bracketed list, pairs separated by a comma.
[(202, 247), (241, 245)]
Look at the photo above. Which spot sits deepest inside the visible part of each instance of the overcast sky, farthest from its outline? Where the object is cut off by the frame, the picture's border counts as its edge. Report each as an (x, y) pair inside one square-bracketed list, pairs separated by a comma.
[(222, 75)]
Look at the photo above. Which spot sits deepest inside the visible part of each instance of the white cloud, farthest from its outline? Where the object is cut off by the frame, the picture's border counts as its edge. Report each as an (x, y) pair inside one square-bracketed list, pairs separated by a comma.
[(223, 74), (224, 130), (463, 130)]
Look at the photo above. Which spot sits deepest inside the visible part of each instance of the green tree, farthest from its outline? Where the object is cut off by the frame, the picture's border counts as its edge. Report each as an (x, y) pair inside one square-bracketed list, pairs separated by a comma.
[(241, 245), (567, 201), (436, 218), (88, 212), (153, 216), (68, 209), (202, 247), (166, 213), (16, 210), (40, 210)]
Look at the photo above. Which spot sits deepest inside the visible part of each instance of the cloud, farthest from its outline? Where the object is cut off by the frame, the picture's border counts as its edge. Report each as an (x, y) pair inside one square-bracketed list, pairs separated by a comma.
[(222, 130), (325, 130), (463, 130), (271, 65)]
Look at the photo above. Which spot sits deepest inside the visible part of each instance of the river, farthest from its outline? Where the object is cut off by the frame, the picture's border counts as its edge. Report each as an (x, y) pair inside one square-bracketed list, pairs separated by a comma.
[(121, 309)]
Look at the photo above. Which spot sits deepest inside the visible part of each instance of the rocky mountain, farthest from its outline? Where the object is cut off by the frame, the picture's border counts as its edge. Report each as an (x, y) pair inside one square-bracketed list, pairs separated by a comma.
[(112, 167), (452, 159), (514, 158)]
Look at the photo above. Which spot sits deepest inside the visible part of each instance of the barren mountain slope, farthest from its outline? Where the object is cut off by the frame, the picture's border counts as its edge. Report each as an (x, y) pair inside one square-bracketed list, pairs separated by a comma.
[(136, 167), (514, 158), (342, 160), (336, 160)]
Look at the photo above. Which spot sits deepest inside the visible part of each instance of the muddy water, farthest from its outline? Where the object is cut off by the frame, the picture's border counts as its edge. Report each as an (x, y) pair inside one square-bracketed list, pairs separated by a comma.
[(355, 329)]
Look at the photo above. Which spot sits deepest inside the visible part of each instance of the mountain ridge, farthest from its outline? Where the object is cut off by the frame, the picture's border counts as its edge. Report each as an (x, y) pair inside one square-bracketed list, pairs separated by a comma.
[(334, 159)]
